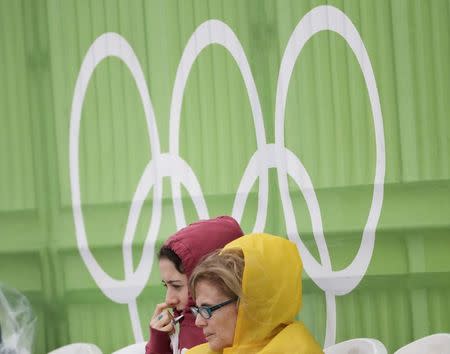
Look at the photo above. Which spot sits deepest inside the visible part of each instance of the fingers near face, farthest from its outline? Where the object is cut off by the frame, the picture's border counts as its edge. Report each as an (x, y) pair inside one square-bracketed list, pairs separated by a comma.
[(162, 321)]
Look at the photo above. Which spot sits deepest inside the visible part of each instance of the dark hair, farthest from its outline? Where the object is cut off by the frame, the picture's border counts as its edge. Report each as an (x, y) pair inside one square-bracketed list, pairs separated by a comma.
[(166, 252)]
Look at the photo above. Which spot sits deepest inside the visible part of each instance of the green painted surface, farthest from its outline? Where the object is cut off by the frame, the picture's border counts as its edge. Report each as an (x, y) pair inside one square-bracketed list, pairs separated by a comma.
[(328, 125)]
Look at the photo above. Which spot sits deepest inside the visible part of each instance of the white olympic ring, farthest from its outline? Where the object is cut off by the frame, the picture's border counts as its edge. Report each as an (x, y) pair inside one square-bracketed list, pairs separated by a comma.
[(267, 156)]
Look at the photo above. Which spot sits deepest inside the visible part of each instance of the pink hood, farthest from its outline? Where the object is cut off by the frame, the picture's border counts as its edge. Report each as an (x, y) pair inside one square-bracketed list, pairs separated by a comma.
[(200, 238), (191, 244)]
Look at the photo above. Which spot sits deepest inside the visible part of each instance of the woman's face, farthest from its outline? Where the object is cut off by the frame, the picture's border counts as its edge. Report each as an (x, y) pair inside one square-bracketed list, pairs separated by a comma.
[(219, 329), (176, 284)]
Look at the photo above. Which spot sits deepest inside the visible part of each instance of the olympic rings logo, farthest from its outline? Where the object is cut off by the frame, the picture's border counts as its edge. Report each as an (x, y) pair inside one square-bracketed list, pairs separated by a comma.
[(267, 156)]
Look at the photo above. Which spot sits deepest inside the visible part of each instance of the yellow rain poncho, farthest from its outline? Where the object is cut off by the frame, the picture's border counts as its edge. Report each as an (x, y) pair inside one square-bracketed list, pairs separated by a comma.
[(272, 288)]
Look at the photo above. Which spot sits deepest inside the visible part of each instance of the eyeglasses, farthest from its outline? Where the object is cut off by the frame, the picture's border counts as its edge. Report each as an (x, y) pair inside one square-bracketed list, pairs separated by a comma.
[(206, 311)]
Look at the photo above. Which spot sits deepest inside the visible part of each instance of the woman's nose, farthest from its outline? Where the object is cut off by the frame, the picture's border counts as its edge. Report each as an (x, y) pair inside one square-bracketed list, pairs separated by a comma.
[(171, 300), (200, 321)]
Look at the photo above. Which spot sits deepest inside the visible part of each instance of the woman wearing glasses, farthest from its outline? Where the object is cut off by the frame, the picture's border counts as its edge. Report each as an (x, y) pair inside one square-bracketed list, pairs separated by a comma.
[(177, 258), (247, 297)]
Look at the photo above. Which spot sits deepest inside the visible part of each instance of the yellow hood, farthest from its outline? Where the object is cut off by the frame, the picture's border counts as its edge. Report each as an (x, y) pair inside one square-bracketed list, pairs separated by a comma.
[(272, 291)]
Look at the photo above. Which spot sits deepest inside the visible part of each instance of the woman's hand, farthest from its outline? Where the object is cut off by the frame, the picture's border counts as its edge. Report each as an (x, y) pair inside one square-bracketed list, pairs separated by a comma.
[(162, 319)]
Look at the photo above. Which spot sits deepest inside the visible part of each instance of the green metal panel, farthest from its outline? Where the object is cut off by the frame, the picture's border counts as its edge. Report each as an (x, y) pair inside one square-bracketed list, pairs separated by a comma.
[(403, 295)]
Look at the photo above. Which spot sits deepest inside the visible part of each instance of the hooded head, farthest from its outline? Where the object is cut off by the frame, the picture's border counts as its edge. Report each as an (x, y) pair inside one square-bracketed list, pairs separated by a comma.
[(200, 238), (270, 292), (271, 287), (197, 240)]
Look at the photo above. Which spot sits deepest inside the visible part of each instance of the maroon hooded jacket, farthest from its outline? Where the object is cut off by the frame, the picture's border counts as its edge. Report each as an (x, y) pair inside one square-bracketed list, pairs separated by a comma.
[(191, 244)]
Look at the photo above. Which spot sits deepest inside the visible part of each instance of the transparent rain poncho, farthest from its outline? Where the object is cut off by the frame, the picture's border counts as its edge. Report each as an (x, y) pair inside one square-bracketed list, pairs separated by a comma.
[(17, 322)]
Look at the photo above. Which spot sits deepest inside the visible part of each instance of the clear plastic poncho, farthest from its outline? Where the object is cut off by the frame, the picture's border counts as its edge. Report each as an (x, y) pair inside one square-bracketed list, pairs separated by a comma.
[(17, 322)]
